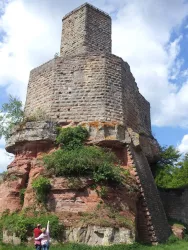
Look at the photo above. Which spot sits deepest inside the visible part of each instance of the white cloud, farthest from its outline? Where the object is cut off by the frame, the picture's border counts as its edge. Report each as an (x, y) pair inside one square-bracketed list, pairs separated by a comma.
[(5, 159), (2, 142), (141, 35), (183, 146), (184, 73)]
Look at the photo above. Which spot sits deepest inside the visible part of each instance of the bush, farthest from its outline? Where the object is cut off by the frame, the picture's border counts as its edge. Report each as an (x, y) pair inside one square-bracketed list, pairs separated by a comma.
[(21, 195), (72, 138), (23, 225), (42, 186), (172, 239), (85, 161)]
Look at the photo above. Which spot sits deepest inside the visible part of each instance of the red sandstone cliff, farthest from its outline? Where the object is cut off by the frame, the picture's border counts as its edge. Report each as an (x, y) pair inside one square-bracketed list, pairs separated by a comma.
[(34, 139)]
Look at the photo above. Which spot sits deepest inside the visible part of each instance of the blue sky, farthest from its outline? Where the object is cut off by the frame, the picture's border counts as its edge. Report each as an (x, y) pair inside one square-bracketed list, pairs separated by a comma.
[(152, 36)]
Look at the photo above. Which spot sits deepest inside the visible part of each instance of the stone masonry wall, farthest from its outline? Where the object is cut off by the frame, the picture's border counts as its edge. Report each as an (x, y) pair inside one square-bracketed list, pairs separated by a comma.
[(79, 89), (39, 91), (88, 87), (136, 110), (113, 93), (88, 83), (157, 221), (73, 33), (98, 31), (175, 203), (86, 29)]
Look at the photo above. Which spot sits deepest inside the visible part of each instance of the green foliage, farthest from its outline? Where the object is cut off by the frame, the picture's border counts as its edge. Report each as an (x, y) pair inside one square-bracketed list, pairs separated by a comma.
[(76, 160), (21, 195), (72, 138), (168, 156), (172, 170), (42, 186), (74, 182), (178, 245), (102, 192), (11, 114), (95, 162), (172, 239), (107, 216), (23, 225)]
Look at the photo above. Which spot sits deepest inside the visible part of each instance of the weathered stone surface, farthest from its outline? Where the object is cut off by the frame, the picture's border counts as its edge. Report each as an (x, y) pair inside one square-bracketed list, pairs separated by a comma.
[(9, 195), (87, 82), (148, 145), (96, 235), (9, 238), (178, 231), (16, 179), (90, 33), (91, 235), (175, 203), (135, 139), (150, 148), (154, 207), (31, 132), (36, 136)]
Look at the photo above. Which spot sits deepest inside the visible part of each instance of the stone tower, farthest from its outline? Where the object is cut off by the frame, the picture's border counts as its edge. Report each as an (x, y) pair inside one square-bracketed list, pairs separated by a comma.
[(87, 82), (86, 29), (88, 85)]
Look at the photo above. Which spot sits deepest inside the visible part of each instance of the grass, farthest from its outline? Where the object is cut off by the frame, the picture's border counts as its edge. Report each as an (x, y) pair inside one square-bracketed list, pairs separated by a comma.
[(178, 245)]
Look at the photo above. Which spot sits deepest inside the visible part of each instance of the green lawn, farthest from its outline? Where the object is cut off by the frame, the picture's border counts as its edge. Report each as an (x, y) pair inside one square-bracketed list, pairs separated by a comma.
[(178, 245)]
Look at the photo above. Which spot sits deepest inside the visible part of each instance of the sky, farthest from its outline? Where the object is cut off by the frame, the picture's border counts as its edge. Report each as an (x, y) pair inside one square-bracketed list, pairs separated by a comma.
[(152, 36)]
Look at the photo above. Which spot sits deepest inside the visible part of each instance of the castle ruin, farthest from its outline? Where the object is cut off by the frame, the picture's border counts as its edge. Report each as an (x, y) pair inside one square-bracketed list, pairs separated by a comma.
[(87, 82), (88, 85)]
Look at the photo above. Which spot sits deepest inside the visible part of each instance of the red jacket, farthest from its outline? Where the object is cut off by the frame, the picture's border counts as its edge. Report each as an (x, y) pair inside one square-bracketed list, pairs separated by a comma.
[(37, 232)]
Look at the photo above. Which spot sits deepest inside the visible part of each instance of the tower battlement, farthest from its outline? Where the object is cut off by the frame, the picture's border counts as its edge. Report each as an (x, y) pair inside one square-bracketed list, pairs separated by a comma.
[(86, 29)]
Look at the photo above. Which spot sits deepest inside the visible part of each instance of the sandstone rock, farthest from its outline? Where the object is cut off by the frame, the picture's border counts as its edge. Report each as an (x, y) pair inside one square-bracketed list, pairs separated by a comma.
[(9, 195), (150, 147), (16, 178), (9, 238), (91, 235), (31, 132), (135, 138), (178, 231), (96, 235)]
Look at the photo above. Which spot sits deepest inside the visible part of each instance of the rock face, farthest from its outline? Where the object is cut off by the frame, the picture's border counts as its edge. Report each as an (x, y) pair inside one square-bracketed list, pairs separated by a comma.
[(96, 235), (91, 235), (31, 134), (15, 180), (178, 231), (69, 198), (89, 86)]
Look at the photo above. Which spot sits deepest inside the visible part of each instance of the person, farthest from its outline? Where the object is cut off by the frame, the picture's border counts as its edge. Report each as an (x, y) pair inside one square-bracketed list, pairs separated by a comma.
[(37, 232), (45, 238)]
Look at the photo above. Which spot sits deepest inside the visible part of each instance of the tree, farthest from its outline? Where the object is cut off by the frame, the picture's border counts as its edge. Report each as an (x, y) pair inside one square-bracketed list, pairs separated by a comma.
[(168, 156), (172, 169), (181, 176), (11, 114), (168, 167)]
